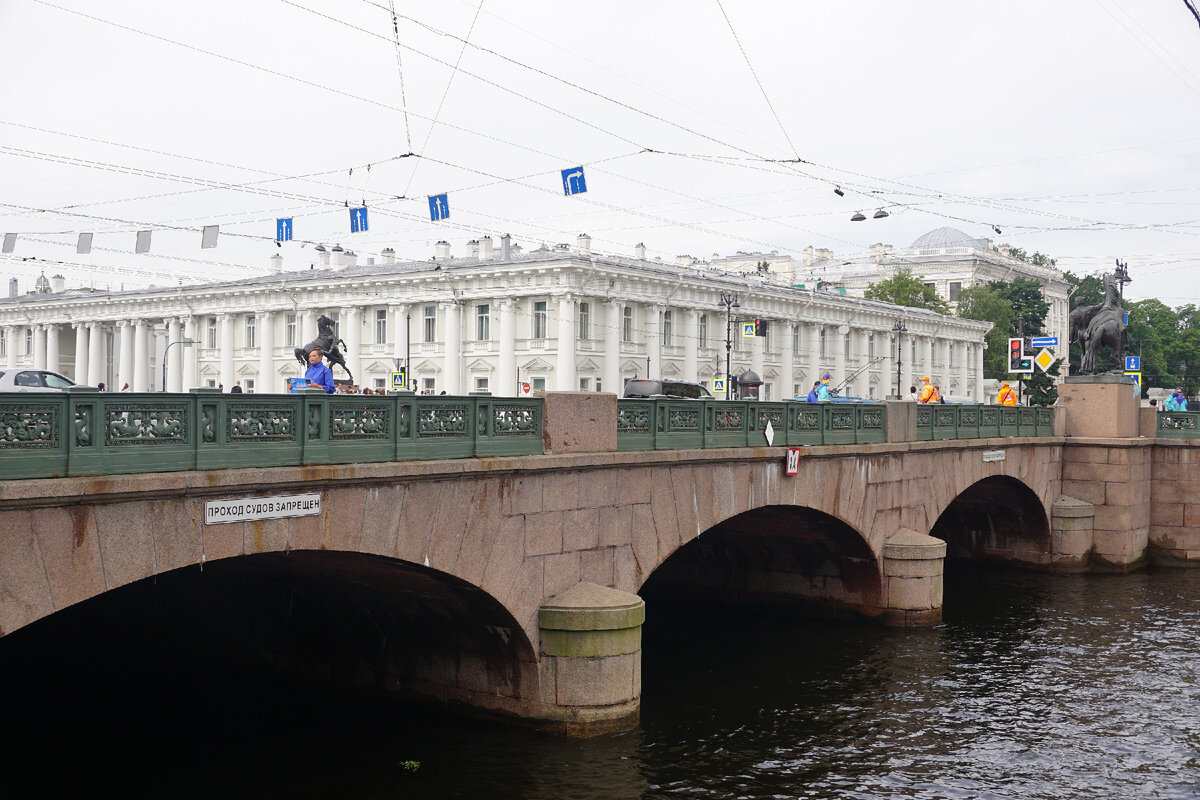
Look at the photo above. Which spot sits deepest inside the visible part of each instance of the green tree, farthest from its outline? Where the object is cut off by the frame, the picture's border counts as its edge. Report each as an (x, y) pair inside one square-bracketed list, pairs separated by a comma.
[(906, 289), (985, 303), (1016, 308)]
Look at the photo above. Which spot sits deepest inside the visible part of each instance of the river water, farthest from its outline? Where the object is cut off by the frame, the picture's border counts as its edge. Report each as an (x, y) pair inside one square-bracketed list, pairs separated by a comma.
[(1035, 686)]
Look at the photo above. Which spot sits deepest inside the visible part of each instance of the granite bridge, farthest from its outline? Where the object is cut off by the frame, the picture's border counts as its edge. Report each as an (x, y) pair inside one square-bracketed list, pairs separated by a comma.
[(509, 580)]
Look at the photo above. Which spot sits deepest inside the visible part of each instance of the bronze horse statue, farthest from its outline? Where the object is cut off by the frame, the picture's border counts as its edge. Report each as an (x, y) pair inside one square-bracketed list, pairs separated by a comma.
[(1101, 325), (327, 341)]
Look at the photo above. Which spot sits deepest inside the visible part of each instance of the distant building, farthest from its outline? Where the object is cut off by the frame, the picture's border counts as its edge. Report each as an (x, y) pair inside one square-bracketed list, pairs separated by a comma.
[(496, 319)]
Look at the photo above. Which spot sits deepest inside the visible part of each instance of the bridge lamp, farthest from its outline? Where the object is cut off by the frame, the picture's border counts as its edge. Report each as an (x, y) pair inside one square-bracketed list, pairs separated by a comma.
[(899, 328), (167, 361)]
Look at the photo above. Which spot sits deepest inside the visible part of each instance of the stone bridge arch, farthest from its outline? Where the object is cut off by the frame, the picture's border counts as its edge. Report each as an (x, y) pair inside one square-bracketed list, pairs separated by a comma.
[(997, 518)]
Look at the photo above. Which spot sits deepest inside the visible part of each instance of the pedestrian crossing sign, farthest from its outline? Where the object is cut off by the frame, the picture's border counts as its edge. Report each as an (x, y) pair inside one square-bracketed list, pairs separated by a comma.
[(718, 385), (747, 329), (400, 379)]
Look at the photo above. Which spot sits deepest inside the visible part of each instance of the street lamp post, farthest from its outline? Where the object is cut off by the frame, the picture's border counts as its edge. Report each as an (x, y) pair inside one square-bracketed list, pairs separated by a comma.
[(899, 328), (1122, 275), (1183, 377), (167, 361), (730, 301)]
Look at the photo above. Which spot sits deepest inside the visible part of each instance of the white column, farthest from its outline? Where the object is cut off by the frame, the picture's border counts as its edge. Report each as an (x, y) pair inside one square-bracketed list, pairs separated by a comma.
[(451, 380), (97, 354), (81, 351), (691, 344), (979, 373), (188, 375), (839, 355), (612, 348), (757, 347), (351, 331), (565, 369), (141, 358), (398, 314), (124, 354), (174, 356), (654, 341), (52, 357), (963, 357), (10, 342), (225, 344), (39, 347), (267, 381), (506, 371), (787, 369)]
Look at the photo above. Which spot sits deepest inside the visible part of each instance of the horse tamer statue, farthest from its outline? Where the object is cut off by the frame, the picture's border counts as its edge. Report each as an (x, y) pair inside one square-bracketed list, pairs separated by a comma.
[(1099, 325), (327, 341)]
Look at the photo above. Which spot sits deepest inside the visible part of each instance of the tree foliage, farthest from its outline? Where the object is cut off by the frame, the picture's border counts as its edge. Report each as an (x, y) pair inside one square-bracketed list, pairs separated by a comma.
[(906, 289), (1016, 308)]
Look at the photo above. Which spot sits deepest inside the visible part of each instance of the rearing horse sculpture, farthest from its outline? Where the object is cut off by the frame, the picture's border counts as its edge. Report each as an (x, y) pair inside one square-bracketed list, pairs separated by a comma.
[(327, 341), (1104, 326)]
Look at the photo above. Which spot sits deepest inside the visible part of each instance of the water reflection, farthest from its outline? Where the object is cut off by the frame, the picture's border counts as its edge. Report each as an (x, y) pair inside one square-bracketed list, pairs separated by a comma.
[(1036, 686)]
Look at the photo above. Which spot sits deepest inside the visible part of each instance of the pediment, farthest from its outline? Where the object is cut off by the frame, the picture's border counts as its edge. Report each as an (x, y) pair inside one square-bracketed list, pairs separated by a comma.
[(670, 369), (426, 367), (587, 365), (480, 365), (536, 365)]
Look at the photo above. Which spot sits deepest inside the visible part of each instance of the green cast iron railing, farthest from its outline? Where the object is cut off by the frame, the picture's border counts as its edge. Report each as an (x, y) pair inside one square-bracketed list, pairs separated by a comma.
[(669, 424), (1178, 424), (982, 422), (82, 432)]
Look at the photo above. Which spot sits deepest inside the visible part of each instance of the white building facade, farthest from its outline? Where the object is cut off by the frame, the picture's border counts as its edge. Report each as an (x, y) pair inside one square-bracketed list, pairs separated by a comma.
[(496, 320)]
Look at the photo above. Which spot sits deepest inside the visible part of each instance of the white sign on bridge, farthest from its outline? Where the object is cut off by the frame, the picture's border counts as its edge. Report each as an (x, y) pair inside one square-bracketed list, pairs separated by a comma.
[(217, 512), (993, 455)]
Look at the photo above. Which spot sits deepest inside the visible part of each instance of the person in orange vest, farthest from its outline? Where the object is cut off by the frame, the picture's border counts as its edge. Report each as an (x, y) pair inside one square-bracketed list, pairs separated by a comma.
[(929, 392), (1006, 397)]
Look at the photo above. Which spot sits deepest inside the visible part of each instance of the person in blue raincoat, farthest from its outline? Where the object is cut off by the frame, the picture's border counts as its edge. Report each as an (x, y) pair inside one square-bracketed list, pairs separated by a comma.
[(823, 389), (812, 393), (1176, 402), (318, 375)]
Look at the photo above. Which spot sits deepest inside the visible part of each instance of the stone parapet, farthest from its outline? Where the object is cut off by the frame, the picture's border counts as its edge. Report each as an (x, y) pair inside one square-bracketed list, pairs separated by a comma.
[(912, 569), (901, 425), (579, 422), (1175, 503), (1103, 406)]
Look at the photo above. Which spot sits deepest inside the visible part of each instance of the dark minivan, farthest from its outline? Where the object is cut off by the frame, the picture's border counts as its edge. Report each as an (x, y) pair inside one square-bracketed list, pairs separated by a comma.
[(684, 390)]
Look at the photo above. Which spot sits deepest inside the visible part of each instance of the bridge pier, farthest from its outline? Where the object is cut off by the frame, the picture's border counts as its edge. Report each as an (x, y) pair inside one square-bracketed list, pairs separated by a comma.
[(912, 572), (591, 660), (1071, 534)]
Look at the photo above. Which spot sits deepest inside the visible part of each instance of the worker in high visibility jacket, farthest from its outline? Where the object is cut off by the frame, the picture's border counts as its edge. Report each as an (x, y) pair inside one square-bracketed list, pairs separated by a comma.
[(929, 392), (1006, 396)]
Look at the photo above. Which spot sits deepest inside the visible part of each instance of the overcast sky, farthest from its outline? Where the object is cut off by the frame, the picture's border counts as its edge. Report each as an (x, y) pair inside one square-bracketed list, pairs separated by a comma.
[(1073, 126)]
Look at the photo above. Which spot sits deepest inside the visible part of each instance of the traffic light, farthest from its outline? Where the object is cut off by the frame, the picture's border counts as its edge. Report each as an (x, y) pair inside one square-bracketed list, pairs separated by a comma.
[(1017, 360), (760, 327)]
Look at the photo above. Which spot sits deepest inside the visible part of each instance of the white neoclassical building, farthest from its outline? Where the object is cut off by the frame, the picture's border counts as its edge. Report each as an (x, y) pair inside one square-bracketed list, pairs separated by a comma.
[(494, 319), (946, 259)]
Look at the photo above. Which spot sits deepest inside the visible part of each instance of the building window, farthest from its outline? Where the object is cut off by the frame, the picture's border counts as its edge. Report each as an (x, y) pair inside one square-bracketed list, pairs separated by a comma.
[(379, 383), (29, 341), (428, 385), (336, 316), (627, 324), (585, 384), (766, 391), (703, 336), (249, 330), (483, 323), (289, 330), (248, 385), (539, 384), (932, 354), (768, 339), (539, 319), (950, 354), (822, 344), (381, 326), (211, 383), (430, 330), (3, 344), (955, 288), (599, 384), (212, 332), (796, 340), (668, 327), (913, 358), (481, 384), (870, 347), (798, 390), (585, 321)]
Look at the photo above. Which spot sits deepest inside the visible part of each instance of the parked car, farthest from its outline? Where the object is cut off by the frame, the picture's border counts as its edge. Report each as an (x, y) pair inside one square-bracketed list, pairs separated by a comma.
[(32, 380), (641, 388)]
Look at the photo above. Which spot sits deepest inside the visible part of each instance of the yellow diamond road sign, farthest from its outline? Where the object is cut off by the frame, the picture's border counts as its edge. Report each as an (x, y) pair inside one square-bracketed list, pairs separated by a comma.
[(1044, 359)]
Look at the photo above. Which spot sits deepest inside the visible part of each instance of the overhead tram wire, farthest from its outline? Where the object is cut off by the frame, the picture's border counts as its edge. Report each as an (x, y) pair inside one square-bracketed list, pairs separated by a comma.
[(445, 92), (388, 106), (400, 71)]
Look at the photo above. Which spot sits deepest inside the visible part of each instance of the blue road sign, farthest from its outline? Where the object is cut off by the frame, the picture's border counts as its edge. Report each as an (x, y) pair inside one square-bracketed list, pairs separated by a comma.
[(283, 229), (573, 181), (1044, 341), (439, 207), (358, 220), (1133, 363), (1126, 318)]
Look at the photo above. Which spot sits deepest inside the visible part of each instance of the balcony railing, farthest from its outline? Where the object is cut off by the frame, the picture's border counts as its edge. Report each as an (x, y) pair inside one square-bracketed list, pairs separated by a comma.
[(56, 434)]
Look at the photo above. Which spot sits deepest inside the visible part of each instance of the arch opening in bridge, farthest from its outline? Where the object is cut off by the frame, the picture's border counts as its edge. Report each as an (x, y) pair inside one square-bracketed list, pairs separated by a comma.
[(998, 519), (790, 558), (328, 621)]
